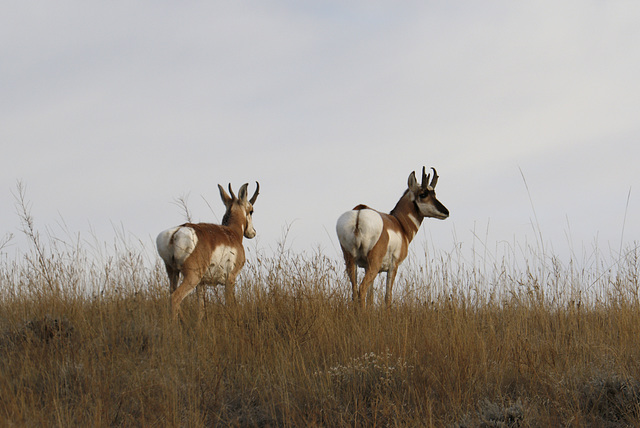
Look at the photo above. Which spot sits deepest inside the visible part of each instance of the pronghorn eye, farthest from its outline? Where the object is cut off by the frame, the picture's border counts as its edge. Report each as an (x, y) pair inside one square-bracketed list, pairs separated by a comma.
[(424, 194)]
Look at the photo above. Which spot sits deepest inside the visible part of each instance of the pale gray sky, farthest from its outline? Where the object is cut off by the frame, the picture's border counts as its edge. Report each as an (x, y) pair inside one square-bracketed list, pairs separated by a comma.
[(112, 110)]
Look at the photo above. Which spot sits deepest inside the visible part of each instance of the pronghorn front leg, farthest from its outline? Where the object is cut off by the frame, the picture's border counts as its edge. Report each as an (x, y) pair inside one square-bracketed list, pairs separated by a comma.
[(391, 276), (229, 290)]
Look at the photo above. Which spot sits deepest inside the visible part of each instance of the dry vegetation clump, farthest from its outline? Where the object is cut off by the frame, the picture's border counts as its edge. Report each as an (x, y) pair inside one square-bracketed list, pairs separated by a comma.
[(87, 340)]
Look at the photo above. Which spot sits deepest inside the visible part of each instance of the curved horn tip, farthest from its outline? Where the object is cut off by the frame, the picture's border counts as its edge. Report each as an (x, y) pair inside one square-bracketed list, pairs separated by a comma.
[(435, 178), (233, 195), (255, 195)]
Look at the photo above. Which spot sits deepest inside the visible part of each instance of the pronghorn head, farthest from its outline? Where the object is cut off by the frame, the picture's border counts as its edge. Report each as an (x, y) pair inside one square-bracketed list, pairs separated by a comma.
[(424, 195), (239, 209)]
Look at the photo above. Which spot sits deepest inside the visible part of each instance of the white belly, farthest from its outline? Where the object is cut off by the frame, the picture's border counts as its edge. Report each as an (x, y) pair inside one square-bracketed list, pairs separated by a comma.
[(223, 261), (393, 251)]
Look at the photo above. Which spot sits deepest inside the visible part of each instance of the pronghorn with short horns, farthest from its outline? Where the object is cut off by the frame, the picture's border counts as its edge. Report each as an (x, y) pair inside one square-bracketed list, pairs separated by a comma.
[(379, 242), (208, 254)]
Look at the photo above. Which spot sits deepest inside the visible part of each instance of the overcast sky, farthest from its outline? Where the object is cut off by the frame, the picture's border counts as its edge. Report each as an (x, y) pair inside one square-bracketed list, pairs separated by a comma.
[(112, 110)]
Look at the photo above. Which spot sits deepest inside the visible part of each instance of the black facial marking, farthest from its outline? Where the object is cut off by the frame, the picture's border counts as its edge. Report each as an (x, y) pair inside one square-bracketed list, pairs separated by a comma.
[(442, 208)]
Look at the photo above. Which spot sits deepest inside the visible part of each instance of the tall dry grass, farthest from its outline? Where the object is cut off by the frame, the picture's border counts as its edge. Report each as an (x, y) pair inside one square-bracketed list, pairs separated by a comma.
[(519, 339)]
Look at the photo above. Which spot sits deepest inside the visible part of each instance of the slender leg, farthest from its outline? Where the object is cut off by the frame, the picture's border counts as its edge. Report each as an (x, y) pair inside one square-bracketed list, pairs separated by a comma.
[(391, 276), (374, 262), (352, 273), (229, 291), (189, 282), (370, 294), (369, 276), (174, 275)]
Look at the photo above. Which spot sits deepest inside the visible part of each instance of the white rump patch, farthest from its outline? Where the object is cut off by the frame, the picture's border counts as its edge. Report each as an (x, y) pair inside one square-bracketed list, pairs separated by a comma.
[(358, 232), (176, 244)]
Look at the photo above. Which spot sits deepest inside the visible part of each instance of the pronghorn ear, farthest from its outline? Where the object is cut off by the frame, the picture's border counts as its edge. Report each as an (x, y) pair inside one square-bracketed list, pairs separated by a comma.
[(242, 193), (226, 199), (413, 183)]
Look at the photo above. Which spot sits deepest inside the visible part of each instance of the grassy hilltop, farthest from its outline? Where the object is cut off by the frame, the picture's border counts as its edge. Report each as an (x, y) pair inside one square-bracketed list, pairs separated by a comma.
[(533, 343)]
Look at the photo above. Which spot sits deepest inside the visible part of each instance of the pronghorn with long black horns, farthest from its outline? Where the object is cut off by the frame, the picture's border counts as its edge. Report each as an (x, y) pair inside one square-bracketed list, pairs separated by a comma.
[(208, 254), (379, 242)]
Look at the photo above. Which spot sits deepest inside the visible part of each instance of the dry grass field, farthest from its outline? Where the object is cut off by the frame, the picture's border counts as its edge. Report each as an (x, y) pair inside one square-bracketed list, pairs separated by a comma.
[(512, 344)]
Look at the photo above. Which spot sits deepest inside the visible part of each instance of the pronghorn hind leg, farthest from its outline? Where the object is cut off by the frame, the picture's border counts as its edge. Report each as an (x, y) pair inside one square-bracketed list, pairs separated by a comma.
[(189, 282), (369, 276), (174, 275), (374, 262), (352, 273), (370, 294)]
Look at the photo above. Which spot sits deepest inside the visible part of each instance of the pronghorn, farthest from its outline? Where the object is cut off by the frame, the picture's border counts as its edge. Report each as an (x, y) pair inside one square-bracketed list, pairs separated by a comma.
[(379, 242), (208, 254)]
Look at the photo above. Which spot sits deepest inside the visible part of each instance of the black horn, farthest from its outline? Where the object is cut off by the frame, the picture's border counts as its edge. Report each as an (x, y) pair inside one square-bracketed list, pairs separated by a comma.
[(435, 178), (425, 178), (231, 192), (255, 195)]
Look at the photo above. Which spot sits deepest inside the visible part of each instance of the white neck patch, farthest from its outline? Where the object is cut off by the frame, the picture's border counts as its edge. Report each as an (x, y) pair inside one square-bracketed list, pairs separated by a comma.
[(414, 221)]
